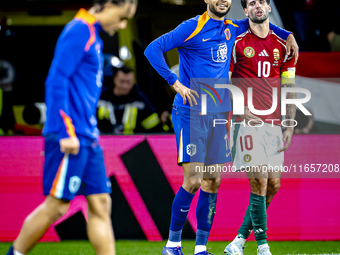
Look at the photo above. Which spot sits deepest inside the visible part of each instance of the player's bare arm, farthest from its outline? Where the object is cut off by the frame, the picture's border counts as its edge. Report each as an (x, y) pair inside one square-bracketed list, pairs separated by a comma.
[(248, 116), (69, 145), (186, 93), (292, 46), (290, 115)]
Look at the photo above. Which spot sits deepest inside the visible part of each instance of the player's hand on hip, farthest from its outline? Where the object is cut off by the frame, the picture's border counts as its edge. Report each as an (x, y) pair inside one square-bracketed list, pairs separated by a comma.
[(69, 145), (287, 137), (186, 93), (292, 46), (248, 116)]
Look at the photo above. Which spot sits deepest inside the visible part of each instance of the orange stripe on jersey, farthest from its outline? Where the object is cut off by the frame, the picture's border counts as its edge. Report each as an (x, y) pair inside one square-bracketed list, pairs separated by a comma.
[(92, 38), (89, 20), (180, 148), (68, 123), (56, 179), (83, 15), (228, 21), (200, 24)]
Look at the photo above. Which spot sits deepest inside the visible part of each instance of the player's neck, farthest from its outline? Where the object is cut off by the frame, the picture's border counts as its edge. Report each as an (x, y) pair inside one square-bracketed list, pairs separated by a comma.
[(261, 30), (213, 16)]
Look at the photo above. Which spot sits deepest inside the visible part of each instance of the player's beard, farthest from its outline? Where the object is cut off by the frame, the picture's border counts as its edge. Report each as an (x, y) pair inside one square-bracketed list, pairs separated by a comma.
[(261, 19), (212, 8)]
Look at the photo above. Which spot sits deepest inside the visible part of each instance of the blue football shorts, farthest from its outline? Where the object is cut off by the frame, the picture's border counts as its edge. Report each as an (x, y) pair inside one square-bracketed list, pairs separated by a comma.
[(66, 175), (197, 139)]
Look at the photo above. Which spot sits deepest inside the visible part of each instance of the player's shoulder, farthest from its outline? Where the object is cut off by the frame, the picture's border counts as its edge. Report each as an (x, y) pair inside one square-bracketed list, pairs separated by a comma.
[(193, 22), (233, 22), (243, 35), (241, 38), (278, 42), (277, 37), (76, 28)]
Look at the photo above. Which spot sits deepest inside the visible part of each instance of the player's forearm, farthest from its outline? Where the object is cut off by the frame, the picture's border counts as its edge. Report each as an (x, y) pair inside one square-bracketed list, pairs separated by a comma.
[(290, 108)]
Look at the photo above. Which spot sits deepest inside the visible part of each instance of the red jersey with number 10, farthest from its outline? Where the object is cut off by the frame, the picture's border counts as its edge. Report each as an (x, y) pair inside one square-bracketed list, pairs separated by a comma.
[(259, 63)]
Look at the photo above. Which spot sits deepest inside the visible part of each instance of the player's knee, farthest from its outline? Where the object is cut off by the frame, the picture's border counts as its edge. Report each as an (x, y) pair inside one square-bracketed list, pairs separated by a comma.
[(211, 185), (259, 186), (192, 185), (274, 186), (100, 205)]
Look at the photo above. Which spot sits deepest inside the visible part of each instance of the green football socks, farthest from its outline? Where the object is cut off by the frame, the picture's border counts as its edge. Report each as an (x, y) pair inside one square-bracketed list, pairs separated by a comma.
[(255, 216)]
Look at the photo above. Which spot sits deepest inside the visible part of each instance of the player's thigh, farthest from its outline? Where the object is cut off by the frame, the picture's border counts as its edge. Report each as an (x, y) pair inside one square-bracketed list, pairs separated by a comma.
[(248, 148), (193, 170), (274, 142), (62, 172), (191, 136), (218, 150), (213, 171), (257, 172), (95, 180), (212, 177), (55, 206)]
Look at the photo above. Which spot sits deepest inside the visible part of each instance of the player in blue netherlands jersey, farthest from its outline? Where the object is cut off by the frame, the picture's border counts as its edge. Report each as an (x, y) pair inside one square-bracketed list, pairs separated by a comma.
[(73, 158), (204, 44)]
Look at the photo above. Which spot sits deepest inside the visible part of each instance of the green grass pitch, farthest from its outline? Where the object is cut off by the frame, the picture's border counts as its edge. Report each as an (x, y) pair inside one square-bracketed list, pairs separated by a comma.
[(154, 248)]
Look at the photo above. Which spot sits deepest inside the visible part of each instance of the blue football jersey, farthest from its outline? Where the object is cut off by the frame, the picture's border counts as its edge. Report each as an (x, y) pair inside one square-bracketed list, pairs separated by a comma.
[(204, 46), (74, 81)]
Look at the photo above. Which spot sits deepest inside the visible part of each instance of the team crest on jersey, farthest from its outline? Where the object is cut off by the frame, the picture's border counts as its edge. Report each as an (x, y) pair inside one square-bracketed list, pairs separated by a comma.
[(249, 52), (276, 54), (191, 149), (227, 34), (247, 158), (219, 52)]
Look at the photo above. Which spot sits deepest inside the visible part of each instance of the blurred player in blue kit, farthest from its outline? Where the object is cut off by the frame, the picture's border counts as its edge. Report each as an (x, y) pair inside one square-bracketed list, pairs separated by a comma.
[(204, 44), (73, 158)]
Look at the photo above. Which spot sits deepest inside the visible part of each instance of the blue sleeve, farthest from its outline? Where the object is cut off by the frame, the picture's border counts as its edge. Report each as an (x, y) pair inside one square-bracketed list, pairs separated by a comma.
[(279, 31), (243, 25), (68, 54), (156, 49)]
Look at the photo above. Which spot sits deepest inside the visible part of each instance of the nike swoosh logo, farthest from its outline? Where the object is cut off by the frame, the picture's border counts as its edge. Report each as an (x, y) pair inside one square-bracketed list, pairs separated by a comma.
[(228, 154), (184, 210), (204, 40)]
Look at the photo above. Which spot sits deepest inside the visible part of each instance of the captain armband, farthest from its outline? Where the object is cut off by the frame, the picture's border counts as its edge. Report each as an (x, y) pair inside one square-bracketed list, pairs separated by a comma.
[(288, 77)]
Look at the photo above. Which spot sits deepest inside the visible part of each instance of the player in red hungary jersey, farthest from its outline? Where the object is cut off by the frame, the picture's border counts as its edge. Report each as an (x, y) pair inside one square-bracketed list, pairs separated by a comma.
[(259, 67)]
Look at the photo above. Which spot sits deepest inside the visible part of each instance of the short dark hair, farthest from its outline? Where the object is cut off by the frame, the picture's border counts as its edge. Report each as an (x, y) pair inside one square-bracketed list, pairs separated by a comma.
[(125, 69), (244, 3)]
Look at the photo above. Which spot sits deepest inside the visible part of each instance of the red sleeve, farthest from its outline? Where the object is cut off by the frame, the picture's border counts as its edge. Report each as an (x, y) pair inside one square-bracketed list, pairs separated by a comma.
[(232, 60)]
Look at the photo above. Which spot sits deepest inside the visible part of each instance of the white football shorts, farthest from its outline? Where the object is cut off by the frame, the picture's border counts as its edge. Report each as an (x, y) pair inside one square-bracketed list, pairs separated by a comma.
[(256, 146)]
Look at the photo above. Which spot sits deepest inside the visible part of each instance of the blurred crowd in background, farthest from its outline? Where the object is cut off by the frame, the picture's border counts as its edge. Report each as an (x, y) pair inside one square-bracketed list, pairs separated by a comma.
[(135, 99)]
